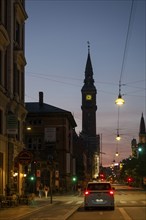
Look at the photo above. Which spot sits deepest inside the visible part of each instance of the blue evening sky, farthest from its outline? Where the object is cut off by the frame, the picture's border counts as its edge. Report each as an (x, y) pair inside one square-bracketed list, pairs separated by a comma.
[(56, 52)]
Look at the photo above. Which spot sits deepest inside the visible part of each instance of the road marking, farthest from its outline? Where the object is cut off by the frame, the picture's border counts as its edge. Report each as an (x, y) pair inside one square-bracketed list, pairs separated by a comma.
[(48, 218), (100, 213), (133, 202), (122, 201), (69, 202), (144, 202), (79, 202), (124, 214)]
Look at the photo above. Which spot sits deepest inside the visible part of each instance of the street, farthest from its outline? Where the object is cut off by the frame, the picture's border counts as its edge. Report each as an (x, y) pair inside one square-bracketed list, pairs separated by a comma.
[(130, 204), (128, 213)]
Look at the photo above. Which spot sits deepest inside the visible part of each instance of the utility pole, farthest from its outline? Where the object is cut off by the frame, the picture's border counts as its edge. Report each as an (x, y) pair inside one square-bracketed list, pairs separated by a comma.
[(51, 175)]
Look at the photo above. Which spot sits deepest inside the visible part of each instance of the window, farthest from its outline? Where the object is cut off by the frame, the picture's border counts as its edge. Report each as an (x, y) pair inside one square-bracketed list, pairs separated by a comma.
[(18, 134), (99, 186), (0, 67), (34, 143), (16, 89), (17, 33), (1, 121), (1, 11), (22, 86), (35, 122), (29, 143), (5, 71)]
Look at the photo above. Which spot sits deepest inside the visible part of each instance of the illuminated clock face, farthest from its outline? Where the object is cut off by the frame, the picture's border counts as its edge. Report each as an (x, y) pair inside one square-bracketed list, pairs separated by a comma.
[(88, 97)]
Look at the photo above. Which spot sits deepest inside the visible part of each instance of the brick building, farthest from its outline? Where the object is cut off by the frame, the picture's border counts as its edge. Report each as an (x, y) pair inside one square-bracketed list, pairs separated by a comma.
[(49, 136)]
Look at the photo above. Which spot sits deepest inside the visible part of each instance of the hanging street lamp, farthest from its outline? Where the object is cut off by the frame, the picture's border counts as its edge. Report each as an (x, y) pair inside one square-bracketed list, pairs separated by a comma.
[(119, 100), (118, 138)]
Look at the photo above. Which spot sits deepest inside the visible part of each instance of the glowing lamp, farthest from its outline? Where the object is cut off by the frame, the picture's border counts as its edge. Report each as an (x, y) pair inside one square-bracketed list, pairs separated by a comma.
[(119, 100), (118, 138), (117, 154)]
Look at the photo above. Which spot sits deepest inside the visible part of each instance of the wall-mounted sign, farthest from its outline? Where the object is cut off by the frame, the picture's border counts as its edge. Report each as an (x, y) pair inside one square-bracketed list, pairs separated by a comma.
[(50, 134), (12, 124), (25, 157)]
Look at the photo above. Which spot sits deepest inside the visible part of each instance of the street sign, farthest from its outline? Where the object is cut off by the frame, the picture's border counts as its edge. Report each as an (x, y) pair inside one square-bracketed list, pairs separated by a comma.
[(25, 157)]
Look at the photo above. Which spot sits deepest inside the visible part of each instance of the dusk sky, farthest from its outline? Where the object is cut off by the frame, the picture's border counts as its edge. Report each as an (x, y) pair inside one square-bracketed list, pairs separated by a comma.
[(56, 51)]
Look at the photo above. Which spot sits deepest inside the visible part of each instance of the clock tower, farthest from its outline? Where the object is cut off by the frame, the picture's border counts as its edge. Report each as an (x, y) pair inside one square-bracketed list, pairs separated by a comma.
[(89, 108)]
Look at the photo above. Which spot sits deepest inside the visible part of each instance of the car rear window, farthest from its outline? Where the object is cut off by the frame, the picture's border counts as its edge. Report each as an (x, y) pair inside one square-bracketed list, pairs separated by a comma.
[(99, 186)]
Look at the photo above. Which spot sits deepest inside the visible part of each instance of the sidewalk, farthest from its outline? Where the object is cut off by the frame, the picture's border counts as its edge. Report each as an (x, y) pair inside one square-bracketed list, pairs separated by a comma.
[(19, 211)]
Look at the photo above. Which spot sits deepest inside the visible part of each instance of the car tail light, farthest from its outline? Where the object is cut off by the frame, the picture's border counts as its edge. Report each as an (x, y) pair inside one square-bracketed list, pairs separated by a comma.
[(86, 193), (111, 192)]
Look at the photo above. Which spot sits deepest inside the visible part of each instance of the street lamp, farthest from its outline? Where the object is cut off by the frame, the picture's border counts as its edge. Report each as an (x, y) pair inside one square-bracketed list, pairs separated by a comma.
[(117, 154), (28, 128), (118, 138), (119, 101)]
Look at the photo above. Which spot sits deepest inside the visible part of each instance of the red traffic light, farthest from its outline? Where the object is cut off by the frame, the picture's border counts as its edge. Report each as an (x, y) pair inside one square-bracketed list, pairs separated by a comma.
[(129, 179)]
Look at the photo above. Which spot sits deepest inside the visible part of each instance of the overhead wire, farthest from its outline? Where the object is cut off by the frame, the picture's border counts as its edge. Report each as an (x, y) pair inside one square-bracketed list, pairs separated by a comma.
[(122, 67), (126, 42)]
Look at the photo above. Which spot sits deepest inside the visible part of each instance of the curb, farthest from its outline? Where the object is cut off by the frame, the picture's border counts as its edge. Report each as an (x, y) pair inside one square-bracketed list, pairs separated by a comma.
[(71, 212)]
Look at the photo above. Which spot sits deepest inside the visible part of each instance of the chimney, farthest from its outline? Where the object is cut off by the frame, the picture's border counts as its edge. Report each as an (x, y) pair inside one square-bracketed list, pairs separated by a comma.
[(40, 98)]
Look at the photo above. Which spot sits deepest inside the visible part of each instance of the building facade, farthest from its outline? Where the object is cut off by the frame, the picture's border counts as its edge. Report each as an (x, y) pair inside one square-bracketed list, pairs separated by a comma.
[(12, 109), (49, 136), (139, 147), (89, 109), (142, 131)]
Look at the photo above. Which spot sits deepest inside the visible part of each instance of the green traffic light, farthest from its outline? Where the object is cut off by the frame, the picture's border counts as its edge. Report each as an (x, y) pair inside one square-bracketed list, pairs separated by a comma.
[(74, 179), (139, 149), (32, 178)]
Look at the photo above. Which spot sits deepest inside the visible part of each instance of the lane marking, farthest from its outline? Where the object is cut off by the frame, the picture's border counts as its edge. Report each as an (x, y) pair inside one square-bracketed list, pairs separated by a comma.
[(69, 202), (144, 202), (122, 201), (100, 213), (125, 214), (133, 202), (79, 202)]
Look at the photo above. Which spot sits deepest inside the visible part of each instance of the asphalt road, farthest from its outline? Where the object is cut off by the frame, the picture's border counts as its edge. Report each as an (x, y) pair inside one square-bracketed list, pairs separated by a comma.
[(130, 205)]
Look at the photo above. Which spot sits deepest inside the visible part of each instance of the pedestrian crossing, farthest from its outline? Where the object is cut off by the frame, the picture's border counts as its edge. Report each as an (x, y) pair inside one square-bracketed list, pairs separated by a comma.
[(120, 202), (74, 202), (131, 202)]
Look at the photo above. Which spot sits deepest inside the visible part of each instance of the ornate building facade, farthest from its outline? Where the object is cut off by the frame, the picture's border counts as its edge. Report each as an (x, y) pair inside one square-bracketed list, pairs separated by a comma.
[(12, 109)]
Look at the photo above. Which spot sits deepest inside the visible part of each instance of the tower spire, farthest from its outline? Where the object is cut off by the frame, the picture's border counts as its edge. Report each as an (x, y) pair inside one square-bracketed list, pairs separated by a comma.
[(88, 47), (88, 69), (142, 125)]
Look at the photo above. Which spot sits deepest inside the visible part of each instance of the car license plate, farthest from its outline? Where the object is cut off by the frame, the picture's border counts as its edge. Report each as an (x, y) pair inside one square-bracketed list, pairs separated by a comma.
[(99, 200)]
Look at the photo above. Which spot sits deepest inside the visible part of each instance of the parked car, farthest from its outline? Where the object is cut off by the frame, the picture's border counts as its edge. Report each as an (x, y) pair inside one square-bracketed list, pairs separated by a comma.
[(99, 194)]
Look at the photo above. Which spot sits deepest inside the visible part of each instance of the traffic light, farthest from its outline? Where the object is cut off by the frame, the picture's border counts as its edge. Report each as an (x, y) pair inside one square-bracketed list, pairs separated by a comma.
[(32, 177), (129, 179), (140, 149), (74, 179)]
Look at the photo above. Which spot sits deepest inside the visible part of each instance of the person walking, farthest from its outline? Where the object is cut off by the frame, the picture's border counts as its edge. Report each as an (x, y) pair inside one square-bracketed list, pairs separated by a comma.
[(79, 190), (46, 189), (40, 191)]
